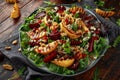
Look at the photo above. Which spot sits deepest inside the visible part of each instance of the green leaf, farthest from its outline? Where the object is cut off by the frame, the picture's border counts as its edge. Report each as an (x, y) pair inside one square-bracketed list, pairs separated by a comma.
[(87, 6), (43, 25), (58, 69), (25, 27), (21, 70), (116, 42), (49, 3), (76, 15), (118, 22), (74, 27), (56, 19), (96, 74), (100, 3), (66, 47)]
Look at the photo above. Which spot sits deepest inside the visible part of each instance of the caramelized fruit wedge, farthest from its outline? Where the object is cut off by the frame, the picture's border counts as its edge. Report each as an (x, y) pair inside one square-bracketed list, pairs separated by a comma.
[(15, 12), (47, 49), (104, 13), (84, 26), (63, 63), (69, 33)]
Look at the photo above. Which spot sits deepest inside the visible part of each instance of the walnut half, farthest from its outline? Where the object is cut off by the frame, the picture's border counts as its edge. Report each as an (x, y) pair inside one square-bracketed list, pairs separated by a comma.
[(7, 67)]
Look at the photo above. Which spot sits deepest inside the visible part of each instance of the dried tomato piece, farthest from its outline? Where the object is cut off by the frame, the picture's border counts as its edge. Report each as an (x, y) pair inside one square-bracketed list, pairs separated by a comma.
[(91, 43), (50, 57)]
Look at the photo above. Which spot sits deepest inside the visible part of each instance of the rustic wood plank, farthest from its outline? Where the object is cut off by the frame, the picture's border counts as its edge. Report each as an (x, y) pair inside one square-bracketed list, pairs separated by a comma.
[(6, 29), (6, 8), (109, 67)]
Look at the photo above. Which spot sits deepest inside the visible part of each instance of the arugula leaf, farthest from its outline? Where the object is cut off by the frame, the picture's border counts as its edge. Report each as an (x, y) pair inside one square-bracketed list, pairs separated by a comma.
[(110, 9), (96, 74), (74, 27), (21, 70), (43, 25), (87, 6), (116, 42), (56, 19), (118, 22), (30, 18), (100, 3), (76, 15), (24, 39), (84, 62), (37, 79), (25, 27), (49, 3), (66, 47), (58, 69)]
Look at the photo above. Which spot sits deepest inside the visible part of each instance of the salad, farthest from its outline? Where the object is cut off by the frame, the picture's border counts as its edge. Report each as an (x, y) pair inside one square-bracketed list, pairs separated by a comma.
[(65, 40)]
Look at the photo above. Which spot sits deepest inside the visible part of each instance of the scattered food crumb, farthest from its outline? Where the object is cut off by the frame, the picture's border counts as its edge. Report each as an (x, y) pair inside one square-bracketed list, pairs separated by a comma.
[(7, 67), (19, 49), (7, 48), (15, 42), (79, 0)]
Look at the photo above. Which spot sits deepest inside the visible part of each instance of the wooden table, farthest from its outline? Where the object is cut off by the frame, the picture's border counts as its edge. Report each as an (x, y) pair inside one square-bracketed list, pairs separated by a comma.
[(109, 65)]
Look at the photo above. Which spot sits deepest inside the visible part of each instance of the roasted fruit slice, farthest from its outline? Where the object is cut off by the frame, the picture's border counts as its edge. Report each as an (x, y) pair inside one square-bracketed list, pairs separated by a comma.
[(63, 63), (16, 12), (71, 33), (83, 26), (76, 9), (47, 49), (104, 13)]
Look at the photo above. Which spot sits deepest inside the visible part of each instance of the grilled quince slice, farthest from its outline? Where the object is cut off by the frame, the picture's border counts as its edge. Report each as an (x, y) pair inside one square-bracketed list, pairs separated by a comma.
[(70, 33), (83, 26), (16, 12), (47, 48), (104, 13), (63, 63)]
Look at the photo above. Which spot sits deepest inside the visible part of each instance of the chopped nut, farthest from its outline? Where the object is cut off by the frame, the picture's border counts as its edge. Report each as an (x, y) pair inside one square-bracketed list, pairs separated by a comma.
[(14, 42), (79, 0), (7, 67), (7, 48), (19, 49)]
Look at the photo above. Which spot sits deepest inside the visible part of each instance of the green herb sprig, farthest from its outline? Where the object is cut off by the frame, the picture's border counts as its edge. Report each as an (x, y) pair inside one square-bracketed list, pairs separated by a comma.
[(96, 74), (118, 22), (116, 42)]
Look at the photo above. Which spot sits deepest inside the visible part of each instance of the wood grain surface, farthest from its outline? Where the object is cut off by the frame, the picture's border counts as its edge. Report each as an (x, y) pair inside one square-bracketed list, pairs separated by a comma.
[(109, 65)]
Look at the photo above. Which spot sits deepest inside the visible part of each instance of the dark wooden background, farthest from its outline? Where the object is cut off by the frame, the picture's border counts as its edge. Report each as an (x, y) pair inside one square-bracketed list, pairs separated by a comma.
[(109, 65)]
